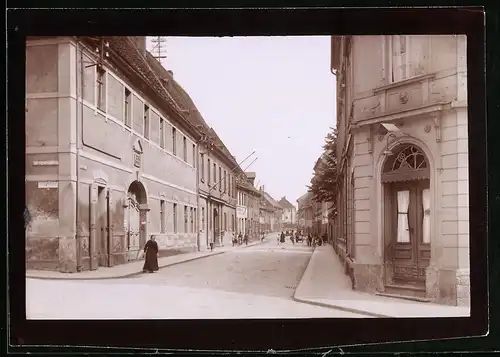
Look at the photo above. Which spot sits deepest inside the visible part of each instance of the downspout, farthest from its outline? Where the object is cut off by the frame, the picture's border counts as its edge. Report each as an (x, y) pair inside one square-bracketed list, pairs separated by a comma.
[(77, 188), (198, 196)]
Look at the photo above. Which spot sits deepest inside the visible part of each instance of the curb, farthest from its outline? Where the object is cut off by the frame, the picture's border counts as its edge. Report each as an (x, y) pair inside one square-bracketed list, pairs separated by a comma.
[(136, 272), (126, 275), (330, 306)]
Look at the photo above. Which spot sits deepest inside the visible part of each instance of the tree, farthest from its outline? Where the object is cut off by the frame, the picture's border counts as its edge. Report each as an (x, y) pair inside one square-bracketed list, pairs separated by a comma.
[(324, 182)]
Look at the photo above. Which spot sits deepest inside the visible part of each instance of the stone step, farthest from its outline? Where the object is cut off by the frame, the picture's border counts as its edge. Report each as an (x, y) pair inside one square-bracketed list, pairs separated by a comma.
[(406, 292)]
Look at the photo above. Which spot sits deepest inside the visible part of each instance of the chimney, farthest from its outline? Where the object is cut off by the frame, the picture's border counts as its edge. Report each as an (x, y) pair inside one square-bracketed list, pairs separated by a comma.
[(171, 73)]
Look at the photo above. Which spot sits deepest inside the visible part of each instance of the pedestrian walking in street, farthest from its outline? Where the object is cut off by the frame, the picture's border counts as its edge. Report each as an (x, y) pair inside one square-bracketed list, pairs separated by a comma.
[(263, 236), (240, 238), (309, 240), (151, 254), (245, 238), (282, 238), (279, 238), (233, 239), (292, 238)]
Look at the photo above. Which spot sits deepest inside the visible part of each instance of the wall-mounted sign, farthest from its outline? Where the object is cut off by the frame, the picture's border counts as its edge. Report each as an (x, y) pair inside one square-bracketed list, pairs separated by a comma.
[(137, 152), (241, 212), (48, 184)]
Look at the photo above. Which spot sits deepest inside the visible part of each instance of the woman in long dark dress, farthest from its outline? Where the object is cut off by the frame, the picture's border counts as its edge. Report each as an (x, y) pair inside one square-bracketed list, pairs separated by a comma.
[(151, 254)]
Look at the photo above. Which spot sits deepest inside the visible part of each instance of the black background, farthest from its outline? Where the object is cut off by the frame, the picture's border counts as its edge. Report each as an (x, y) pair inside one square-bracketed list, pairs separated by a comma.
[(267, 334)]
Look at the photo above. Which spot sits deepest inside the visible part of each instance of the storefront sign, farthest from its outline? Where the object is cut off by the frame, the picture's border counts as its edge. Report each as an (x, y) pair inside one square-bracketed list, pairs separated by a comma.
[(241, 212)]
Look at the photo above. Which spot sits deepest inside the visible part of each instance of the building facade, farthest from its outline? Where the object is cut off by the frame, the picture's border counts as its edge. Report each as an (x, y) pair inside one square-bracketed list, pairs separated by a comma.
[(248, 207), (270, 213), (403, 225), (218, 192), (110, 158), (305, 213), (289, 217)]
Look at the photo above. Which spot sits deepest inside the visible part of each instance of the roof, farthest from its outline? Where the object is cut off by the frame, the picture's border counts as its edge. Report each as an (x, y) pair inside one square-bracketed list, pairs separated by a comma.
[(186, 103), (243, 183), (271, 200), (128, 52), (285, 203)]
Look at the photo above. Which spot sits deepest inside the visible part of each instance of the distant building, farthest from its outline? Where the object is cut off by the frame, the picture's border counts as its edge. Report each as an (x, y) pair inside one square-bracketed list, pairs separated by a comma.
[(248, 205), (305, 213), (289, 217), (270, 212)]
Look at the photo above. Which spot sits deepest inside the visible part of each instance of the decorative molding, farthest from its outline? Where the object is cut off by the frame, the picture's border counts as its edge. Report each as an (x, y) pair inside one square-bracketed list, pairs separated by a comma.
[(100, 177), (427, 128), (403, 114), (416, 79), (404, 97)]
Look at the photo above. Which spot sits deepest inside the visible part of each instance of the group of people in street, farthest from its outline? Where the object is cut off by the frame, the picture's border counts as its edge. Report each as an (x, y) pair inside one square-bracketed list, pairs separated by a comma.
[(312, 240), (240, 239)]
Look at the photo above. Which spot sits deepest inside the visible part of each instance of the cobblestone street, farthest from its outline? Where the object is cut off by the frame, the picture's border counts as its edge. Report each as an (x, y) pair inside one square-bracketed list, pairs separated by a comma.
[(256, 282)]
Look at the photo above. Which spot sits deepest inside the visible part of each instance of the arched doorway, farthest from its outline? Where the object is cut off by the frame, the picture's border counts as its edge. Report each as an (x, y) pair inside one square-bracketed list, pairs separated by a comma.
[(406, 218), (136, 218)]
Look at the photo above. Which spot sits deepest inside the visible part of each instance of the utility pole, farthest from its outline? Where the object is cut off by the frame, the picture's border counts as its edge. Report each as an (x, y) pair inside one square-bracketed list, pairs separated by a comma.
[(159, 50)]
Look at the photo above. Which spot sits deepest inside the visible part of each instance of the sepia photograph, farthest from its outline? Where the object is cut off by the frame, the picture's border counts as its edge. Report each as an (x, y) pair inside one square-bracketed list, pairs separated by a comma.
[(247, 177)]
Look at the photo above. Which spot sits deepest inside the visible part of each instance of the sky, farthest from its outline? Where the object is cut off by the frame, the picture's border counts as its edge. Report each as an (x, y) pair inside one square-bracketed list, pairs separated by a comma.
[(271, 95)]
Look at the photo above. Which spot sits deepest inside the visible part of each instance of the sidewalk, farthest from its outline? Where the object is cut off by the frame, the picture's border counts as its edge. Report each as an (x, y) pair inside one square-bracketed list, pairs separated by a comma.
[(135, 268), (325, 284)]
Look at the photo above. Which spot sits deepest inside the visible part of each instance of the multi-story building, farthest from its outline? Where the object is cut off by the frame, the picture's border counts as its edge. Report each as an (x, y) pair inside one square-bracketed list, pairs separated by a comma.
[(289, 217), (254, 206), (217, 170), (248, 204), (321, 210), (403, 164), (305, 213), (270, 213), (110, 157)]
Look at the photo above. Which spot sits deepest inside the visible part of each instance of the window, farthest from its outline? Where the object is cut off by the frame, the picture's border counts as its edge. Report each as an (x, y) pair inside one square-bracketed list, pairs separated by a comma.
[(232, 222), (203, 218), (225, 184), (162, 216), (146, 122), (184, 149), (215, 174), (101, 89), (162, 133), (202, 167), (208, 176), (234, 187), (175, 217), (229, 185), (174, 139), (399, 58), (128, 108), (225, 221), (185, 219), (191, 215), (220, 178), (194, 155)]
